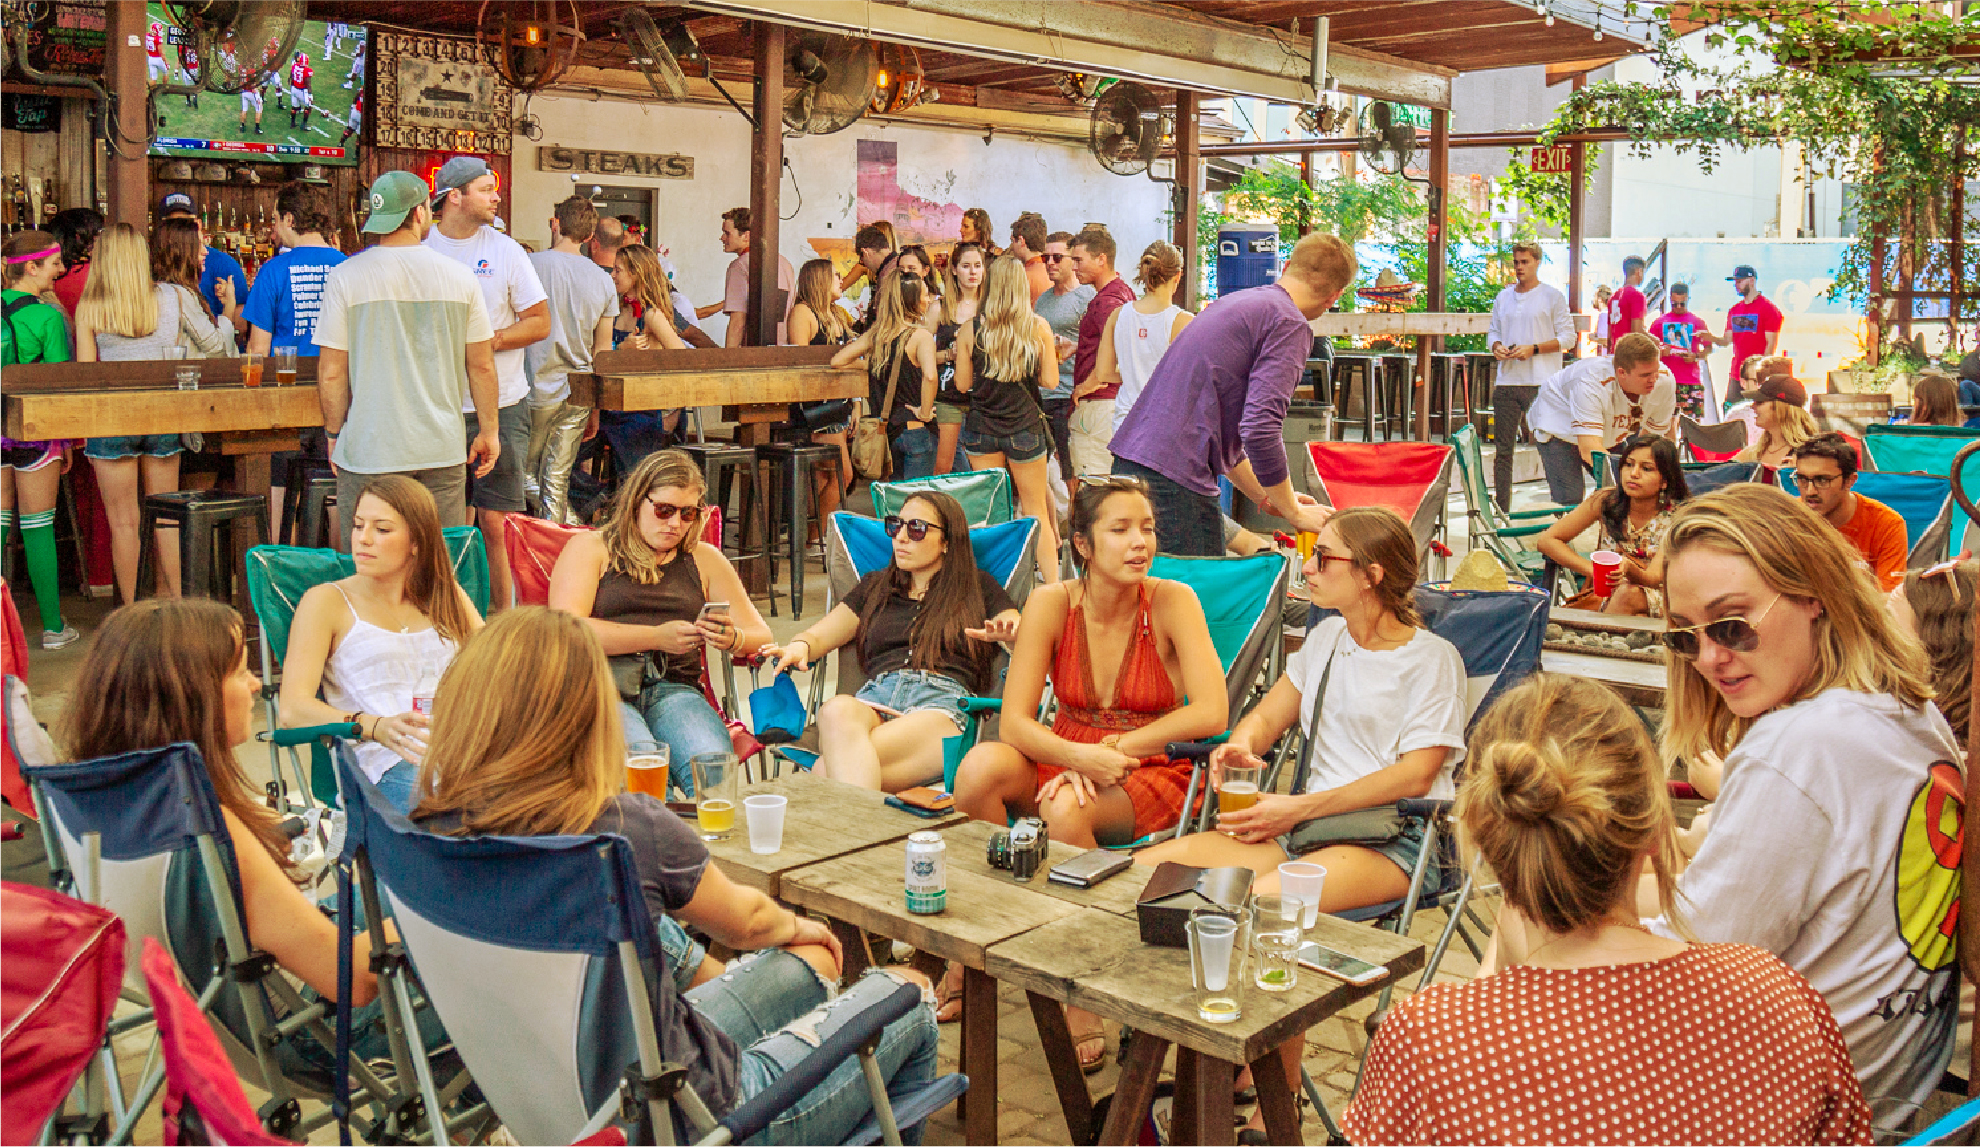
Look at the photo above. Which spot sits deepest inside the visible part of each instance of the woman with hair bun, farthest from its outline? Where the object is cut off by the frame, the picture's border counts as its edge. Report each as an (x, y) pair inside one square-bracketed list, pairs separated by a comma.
[(1594, 1029), (1137, 336)]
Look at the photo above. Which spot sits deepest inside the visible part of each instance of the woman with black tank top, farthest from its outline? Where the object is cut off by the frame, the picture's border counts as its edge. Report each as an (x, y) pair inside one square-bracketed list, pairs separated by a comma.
[(642, 579), (896, 347), (962, 298), (817, 320), (1003, 357)]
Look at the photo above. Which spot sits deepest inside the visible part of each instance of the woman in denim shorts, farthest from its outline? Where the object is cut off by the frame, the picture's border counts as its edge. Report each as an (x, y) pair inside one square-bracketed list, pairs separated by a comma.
[(925, 631), (1003, 357)]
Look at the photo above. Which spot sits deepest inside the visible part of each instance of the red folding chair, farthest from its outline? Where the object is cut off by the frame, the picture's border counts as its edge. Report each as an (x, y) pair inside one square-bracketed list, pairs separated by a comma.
[(1411, 478), (204, 1102), (61, 965), (533, 546)]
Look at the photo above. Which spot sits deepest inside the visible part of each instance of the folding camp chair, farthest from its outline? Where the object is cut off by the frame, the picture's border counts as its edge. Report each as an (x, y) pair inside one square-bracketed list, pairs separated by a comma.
[(533, 546), (1705, 477), (1411, 478), (985, 495), (1506, 534), (64, 960), (204, 1102), (1918, 449), (277, 578), (540, 957), (856, 546), (143, 835), (1714, 442), (1924, 502)]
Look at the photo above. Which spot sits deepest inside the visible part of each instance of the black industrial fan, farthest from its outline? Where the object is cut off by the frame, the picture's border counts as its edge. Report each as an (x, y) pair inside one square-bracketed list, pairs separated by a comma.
[(829, 81), (239, 44), (1387, 142), (1126, 128)]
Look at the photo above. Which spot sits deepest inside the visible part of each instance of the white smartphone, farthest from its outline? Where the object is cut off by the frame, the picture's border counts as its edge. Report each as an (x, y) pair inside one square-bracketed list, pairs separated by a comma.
[(1339, 965), (712, 608)]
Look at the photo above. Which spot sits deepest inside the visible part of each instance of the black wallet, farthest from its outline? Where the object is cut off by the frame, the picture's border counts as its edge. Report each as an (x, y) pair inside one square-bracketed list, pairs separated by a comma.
[(1089, 868)]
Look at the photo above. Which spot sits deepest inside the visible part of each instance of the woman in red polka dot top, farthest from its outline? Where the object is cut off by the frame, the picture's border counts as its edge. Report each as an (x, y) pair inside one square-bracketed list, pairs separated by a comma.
[(1584, 1027)]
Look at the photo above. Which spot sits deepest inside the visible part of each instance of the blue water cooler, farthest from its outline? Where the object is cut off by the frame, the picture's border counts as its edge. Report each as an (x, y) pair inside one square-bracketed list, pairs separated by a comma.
[(1247, 256)]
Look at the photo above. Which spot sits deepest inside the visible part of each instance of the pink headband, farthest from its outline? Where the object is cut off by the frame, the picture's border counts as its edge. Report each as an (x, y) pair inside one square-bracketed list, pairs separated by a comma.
[(31, 257)]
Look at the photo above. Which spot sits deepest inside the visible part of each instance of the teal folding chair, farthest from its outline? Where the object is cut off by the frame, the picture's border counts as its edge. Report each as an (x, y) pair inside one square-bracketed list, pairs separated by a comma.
[(277, 578), (1506, 535), (1924, 502), (985, 495), (1918, 450)]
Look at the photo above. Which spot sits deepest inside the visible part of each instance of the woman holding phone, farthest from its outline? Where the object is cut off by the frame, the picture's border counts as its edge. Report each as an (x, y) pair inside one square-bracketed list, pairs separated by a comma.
[(658, 599)]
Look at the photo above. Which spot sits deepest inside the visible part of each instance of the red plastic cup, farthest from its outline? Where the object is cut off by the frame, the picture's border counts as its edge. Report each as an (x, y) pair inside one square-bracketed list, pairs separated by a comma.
[(1608, 571)]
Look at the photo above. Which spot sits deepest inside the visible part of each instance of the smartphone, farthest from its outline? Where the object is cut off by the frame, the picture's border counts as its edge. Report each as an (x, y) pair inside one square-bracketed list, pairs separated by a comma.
[(922, 801), (1340, 965), (711, 608)]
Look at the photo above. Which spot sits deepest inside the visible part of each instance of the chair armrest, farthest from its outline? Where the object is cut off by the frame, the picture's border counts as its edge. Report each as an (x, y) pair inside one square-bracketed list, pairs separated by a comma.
[(1422, 809), (1195, 750), (311, 733), (1539, 512), (982, 704), (1524, 529), (753, 1116)]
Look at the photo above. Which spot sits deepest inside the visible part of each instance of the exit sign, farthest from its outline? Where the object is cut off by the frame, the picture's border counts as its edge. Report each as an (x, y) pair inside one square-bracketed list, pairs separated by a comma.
[(1554, 160)]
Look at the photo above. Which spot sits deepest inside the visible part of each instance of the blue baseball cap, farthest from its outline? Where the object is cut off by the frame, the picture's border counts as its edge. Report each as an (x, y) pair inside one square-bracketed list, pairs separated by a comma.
[(1743, 271)]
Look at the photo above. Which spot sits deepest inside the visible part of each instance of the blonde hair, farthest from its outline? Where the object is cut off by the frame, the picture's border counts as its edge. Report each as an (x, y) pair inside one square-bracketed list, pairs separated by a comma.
[(543, 754), (626, 551), (1006, 327), (1796, 427), (1858, 646), (27, 243), (1160, 264), (815, 281), (120, 297), (1377, 536), (1562, 793), (430, 583), (896, 316), (1323, 262)]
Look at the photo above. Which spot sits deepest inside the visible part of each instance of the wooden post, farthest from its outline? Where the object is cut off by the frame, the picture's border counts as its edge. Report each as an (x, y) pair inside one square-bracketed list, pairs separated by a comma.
[(1308, 162), (1873, 306), (1189, 177), (124, 74), (766, 177), (1439, 195), (1958, 285), (1577, 173)]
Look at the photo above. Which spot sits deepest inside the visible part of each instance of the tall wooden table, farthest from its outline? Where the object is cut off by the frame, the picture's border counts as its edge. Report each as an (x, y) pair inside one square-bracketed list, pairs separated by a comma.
[(824, 819)]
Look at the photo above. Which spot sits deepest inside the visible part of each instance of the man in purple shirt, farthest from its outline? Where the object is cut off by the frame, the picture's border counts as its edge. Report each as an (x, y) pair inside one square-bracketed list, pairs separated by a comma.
[(1216, 403)]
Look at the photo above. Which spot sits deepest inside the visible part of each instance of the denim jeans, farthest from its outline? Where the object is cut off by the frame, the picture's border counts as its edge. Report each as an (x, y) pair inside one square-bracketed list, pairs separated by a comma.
[(400, 784), (1187, 523), (775, 1007), (680, 718), (914, 453)]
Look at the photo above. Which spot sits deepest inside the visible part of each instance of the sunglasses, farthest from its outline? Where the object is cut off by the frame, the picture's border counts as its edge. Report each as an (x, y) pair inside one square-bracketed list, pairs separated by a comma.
[(915, 527), (1734, 634), (1323, 557), (667, 511), (1051, 257)]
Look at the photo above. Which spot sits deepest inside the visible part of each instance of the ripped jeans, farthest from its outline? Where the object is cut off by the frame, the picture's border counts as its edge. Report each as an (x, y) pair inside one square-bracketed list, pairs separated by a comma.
[(778, 1010)]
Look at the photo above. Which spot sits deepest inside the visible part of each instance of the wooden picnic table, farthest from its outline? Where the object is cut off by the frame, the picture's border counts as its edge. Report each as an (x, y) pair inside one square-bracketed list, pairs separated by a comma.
[(754, 385), (968, 844), (1638, 682), (1095, 960), (825, 819)]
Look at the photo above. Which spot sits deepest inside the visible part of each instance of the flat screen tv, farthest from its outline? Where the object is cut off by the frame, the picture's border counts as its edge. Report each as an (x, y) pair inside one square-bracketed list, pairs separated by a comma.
[(310, 109)]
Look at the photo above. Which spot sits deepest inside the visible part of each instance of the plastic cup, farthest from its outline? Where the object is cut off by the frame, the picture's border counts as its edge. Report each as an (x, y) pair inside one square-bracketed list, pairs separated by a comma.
[(647, 773), (1304, 881), (251, 366), (1608, 572), (285, 366), (765, 813), (1215, 964), (187, 376)]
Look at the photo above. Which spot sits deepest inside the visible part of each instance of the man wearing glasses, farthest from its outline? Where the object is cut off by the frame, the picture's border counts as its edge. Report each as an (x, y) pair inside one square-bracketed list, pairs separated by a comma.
[(1824, 471), (1064, 306), (1597, 403)]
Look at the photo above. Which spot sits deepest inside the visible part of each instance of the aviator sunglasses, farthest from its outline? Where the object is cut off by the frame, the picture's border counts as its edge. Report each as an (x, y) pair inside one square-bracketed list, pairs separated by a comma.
[(915, 527), (1736, 634), (667, 511)]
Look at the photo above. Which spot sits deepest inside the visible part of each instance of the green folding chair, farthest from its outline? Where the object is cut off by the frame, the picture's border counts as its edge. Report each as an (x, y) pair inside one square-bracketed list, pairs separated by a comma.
[(985, 494), (1505, 534), (277, 578)]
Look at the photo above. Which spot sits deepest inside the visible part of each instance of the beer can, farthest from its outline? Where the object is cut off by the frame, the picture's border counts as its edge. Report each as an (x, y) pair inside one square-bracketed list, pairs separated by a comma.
[(927, 874)]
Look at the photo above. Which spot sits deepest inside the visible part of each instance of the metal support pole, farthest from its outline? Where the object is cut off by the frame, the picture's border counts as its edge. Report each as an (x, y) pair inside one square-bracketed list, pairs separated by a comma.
[(1440, 212), (766, 176), (1189, 177)]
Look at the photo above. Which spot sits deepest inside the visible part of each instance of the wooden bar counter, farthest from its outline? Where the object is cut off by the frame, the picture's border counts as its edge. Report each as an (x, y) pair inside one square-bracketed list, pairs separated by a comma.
[(754, 385), (102, 399)]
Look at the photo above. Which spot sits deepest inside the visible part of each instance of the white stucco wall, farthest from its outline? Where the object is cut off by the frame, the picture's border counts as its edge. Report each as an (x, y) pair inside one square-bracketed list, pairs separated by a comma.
[(820, 200)]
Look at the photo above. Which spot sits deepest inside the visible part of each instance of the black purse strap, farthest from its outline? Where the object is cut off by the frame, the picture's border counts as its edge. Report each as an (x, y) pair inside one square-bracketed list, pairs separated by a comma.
[(1319, 701), (885, 414)]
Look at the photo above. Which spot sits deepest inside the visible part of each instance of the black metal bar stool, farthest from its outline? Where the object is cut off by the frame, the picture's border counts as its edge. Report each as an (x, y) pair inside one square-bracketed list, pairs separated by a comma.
[(1397, 384), (1449, 385), (794, 467), (309, 491), (721, 464), (1349, 370), (204, 519)]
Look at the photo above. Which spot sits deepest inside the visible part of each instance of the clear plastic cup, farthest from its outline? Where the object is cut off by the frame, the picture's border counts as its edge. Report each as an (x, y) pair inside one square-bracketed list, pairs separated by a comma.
[(765, 813), (1216, 961), (187, 376), (1304, 881), (285, 365)]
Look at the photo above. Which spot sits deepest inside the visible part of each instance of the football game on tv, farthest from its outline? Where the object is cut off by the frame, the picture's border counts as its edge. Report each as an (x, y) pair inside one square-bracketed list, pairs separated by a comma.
[(309, 108)]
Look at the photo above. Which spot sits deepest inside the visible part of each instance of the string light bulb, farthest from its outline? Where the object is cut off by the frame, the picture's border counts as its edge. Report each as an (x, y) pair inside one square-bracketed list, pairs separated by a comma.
[(1550, 20)]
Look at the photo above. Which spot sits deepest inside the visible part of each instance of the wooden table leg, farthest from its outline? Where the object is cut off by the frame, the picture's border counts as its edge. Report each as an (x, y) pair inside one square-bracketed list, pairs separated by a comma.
[(1212, 1101), (858, 957), (1135, 1091), (1186, 1110), (1275, 1099), (979, 1056), (1063, 1058)]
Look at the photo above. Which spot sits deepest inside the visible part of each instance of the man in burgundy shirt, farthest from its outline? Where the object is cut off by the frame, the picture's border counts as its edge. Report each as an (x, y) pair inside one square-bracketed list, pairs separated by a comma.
[(1753, 323), (1627, 307), (1092, 423), (1215, 406)]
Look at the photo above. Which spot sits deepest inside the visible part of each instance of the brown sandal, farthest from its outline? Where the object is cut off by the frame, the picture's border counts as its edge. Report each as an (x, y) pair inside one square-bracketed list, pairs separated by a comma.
[(949, 995)]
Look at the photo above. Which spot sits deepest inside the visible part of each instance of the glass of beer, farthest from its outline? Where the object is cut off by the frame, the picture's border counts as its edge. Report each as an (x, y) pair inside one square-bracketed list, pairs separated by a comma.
[(647, 772), (714, 794), (285, 366), (1239, 789), (251, 365)]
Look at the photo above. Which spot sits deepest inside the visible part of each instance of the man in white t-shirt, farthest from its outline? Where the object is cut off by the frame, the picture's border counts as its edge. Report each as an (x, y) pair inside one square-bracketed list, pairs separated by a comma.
[(583, 303), (1530, 327), (1597, 403), (403, 338), (735, 295), (464, 202)]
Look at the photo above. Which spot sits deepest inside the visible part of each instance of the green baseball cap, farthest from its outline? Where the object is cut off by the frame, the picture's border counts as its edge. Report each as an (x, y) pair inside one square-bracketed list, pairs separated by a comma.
[(393, 197)]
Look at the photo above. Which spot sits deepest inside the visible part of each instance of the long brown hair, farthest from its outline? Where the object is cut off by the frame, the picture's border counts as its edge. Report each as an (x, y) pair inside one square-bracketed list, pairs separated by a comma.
[(537, 756), (1935, 401), (175, 252), (953, 603), (953, 293), (815, 281), (1941, 598), (1563, 792), (1377, 536), (26, 243), (430, 583), (154, 676), (650, 289), (626, 551)]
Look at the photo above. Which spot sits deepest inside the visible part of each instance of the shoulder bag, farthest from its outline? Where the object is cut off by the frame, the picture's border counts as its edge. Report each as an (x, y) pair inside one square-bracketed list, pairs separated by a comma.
[(1364, 826), (872, 452)]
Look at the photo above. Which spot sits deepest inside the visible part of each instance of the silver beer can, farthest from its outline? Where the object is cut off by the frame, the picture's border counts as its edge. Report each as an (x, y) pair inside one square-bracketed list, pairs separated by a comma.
[(927, 874)]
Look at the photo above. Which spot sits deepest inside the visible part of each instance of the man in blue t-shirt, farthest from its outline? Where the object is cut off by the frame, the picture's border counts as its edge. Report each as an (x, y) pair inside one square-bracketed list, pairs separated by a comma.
[(281, 310), (219, 264)]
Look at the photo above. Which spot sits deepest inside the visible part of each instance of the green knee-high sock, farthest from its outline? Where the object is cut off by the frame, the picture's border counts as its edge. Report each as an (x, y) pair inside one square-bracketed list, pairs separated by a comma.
[(6, 528), (38, 536)]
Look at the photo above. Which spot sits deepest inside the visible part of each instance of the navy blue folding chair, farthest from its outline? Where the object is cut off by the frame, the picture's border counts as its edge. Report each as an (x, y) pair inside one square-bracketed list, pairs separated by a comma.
[(540, 957)]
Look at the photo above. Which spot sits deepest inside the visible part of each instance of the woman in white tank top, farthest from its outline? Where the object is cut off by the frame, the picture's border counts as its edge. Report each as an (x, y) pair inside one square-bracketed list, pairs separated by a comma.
[(377, 642), (1139, 334)]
